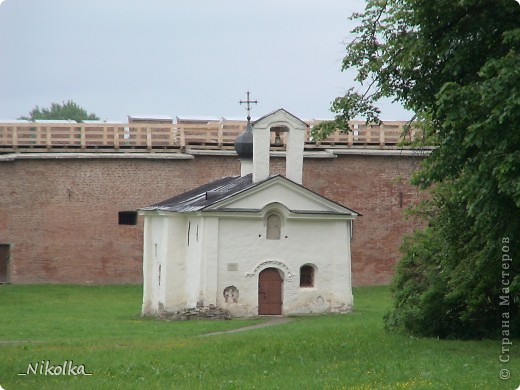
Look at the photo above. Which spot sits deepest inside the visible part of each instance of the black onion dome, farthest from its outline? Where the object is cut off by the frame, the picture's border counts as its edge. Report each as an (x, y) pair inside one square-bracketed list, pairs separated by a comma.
[(244, 143)]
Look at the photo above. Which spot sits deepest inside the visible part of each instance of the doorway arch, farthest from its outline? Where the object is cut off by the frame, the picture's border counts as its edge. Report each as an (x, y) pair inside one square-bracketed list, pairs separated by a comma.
[(270, 292)]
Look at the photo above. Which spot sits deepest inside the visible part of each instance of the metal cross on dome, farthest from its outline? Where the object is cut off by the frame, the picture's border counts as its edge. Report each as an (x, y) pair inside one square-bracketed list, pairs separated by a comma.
[(248, 107)]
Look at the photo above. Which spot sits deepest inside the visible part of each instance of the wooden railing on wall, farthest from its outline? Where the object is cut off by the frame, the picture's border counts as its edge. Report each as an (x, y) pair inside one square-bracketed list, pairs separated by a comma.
[(30, 137)]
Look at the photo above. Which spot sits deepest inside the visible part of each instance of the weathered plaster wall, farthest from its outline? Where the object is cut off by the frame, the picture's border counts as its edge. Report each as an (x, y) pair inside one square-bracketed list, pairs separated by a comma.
[(250, 252)]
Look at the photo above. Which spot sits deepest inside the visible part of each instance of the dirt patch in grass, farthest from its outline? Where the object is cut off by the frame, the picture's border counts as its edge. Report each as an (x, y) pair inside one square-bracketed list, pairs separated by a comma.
[(272, 322)]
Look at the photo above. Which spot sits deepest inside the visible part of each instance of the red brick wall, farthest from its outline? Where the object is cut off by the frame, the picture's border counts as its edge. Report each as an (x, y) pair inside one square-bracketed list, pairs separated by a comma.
[(61, 215), (370, 185)]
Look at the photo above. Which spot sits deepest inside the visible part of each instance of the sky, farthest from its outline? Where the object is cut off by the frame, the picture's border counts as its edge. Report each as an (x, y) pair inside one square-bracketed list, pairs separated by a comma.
[(178, 58)]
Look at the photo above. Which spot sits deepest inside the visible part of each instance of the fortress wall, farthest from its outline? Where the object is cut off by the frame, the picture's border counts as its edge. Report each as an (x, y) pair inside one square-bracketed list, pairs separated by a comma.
[(60, 215)]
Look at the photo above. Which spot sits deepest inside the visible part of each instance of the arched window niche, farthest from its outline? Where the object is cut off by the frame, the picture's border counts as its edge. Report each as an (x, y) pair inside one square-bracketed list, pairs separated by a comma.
[(275, 217), (307, 276), (273, 226)]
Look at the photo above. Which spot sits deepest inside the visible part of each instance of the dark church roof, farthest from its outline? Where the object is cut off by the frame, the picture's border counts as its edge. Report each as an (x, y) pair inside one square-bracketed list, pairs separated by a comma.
[(206, 195), (209, 194)]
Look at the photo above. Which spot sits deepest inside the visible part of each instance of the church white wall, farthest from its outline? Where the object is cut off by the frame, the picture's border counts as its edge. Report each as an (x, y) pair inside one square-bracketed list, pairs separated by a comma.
[(261, 143), (246, 166), (149, 292), (153, 262), (324, 244), (173, 261), (294, 158), (164, 266), (209, 261), (193, 261), (190, 260)]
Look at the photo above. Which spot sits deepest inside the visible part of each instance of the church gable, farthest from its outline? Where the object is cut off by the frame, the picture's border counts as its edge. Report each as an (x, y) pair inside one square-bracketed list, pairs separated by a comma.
[(279, 117), (278, 189)]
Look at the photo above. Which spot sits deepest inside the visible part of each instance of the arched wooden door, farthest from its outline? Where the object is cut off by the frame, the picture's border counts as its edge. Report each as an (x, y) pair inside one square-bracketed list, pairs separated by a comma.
[(269, 292)]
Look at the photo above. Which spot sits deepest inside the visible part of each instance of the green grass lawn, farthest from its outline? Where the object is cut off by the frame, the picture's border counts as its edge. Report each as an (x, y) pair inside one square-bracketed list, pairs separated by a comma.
[(100, 327)]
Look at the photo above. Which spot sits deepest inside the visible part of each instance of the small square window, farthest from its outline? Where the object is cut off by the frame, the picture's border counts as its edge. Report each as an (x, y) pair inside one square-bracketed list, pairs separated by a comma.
[(307, 276), (128, 217)]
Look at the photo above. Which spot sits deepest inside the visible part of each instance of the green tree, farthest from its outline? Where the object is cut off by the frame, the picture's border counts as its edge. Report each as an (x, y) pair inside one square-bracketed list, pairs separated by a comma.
[(456, 65), (67, 110)]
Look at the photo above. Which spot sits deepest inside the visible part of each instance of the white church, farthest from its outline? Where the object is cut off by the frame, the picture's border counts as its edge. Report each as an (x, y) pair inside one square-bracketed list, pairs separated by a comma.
[(253, 244)]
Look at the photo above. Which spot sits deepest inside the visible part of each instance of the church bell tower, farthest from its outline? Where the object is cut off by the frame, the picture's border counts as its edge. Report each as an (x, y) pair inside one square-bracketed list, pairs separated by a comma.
[(253, 145)]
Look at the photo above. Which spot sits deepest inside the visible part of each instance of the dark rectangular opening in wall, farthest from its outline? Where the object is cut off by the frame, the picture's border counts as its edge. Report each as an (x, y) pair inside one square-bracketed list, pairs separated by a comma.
[(128, 217), (4, 263)]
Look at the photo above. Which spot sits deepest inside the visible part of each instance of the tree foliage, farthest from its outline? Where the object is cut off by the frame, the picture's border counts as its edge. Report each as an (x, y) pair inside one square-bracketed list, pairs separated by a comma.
[(456, 64), (66, 111)]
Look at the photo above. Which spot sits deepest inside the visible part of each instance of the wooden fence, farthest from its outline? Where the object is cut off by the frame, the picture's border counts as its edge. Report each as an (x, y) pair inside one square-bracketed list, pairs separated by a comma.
[(31, 137)]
